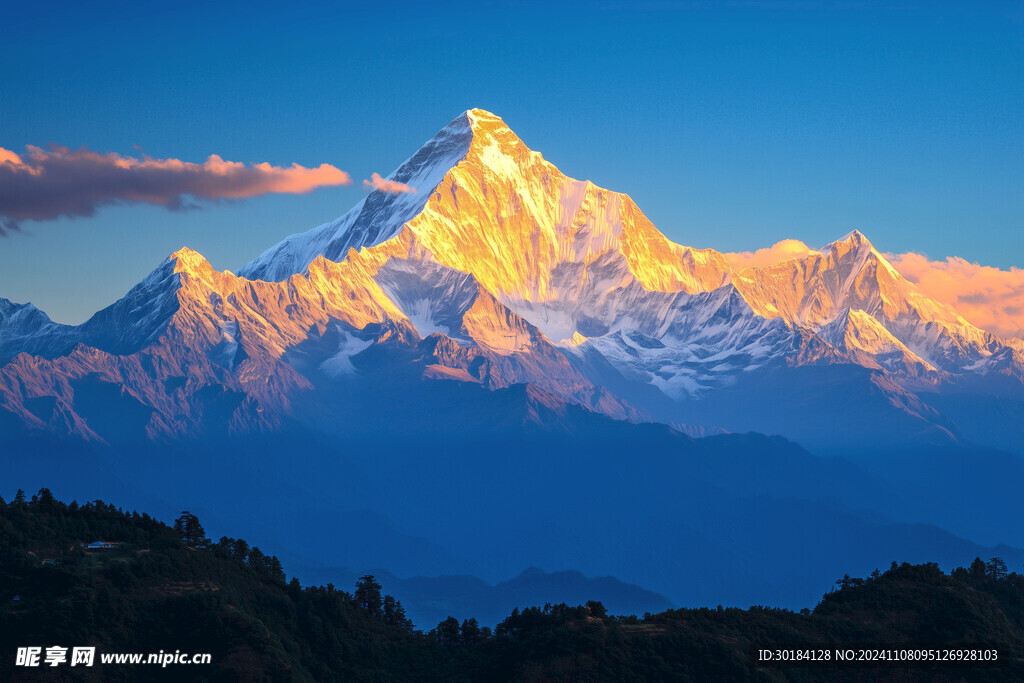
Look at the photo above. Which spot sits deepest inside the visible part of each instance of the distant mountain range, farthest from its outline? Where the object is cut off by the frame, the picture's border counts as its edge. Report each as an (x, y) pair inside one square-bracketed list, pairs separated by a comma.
[(501, 367), (430, 600), (495, 268)]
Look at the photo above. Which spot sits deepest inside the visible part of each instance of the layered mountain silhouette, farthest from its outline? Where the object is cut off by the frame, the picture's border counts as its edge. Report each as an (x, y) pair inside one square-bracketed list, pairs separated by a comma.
[(497, 269)]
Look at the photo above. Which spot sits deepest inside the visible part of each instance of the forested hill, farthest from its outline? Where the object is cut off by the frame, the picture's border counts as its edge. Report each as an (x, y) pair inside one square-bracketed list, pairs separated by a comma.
[(166, 588)]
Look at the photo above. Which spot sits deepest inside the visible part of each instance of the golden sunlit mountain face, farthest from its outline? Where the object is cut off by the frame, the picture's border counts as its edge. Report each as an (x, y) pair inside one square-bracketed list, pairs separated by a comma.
[(517, 274), (566, 253), (516, 222)]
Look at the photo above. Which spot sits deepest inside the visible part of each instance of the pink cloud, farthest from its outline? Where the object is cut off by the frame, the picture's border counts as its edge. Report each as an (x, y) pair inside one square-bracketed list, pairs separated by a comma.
[(47, 184), (9, 157), (780, 251), (988, 297), (376, 182)]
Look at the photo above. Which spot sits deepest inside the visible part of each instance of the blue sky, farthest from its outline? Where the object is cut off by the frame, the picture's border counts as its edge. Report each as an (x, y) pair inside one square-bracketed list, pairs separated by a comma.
[(733, 125)]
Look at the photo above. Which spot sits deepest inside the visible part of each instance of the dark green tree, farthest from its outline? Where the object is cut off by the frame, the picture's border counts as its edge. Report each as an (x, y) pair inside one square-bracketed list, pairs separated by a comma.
[(256, 558), (240, 550), (996, 569), (447, 632), (190, 529), (394, 614), (596, 609), (978, 571), (471, 632), (46, 499), (275, 570), (368, 596)]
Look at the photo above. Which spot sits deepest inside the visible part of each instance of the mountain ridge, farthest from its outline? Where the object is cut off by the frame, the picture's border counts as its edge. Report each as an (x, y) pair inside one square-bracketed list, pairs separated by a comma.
[(502, 255)]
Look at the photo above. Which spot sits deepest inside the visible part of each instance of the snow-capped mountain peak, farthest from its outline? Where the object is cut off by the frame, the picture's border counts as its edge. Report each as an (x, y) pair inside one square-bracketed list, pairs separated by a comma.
[(476, 255), (489, 205), (190, 261), (572, 257), (854, 239), (380, 214)]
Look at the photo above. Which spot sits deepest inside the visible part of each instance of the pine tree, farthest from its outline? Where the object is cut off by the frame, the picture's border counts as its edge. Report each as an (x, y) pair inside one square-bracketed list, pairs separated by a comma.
[(368, 596), (447, 632), (470, 631), (190, 529), (240, 550), (275, 569), (996, 569), (257, 560), (978, 570), (46, 499), (394, 614)]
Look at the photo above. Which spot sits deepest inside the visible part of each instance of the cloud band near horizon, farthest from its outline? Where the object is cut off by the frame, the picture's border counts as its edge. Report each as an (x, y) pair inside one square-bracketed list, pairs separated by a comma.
[(59, 182), (991, 298)]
